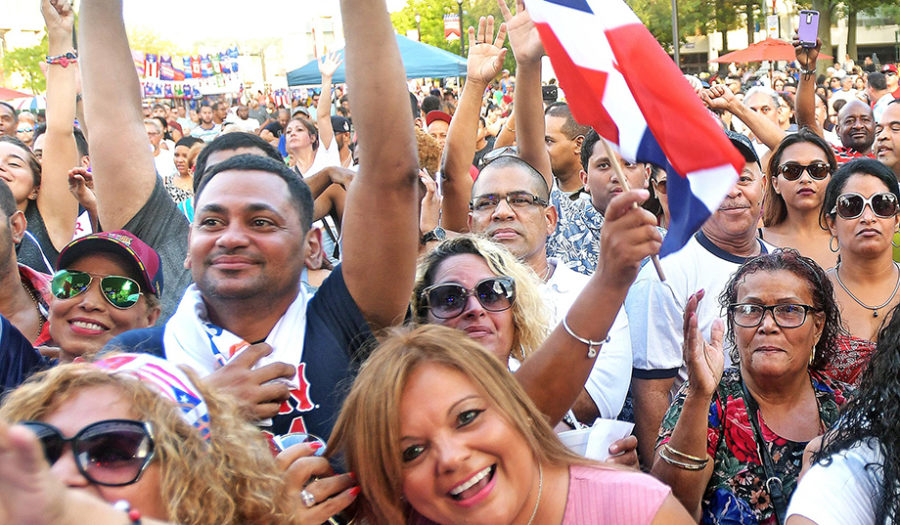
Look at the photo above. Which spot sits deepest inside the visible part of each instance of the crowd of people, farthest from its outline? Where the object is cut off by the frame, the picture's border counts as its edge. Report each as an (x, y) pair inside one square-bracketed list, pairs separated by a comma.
[(426, 286)]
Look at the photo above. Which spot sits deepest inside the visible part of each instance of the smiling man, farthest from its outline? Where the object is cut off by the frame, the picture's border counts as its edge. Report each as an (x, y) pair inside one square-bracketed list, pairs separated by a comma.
[(887, 137), (655, 309)]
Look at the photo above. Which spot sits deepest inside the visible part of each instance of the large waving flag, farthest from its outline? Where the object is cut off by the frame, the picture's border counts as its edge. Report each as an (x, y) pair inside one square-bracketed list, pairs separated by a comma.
[(619, 80)]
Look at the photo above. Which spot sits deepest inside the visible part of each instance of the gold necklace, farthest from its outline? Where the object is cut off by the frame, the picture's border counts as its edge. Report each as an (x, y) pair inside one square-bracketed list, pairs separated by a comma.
[(37, 308)]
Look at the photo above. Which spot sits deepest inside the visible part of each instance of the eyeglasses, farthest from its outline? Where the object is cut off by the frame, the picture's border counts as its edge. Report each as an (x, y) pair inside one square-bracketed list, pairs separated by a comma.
[(661, 186), (749, 315), (111, 453), (494, 154), (516, 199), (121, 292), (446, 301), (25, 130), (794, 170), (851, 205)]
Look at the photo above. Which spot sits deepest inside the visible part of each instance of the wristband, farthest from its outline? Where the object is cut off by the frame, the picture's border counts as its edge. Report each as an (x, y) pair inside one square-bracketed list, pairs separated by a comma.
[(808, 71), (64, 60)]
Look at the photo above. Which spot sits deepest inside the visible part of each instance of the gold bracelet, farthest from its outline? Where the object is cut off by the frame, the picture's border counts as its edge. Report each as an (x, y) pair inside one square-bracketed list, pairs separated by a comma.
[(679, 464), (688, 457), (509, 129)]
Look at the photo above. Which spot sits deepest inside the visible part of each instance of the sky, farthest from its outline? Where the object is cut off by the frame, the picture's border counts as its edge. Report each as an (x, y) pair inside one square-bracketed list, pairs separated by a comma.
[(181, 21)]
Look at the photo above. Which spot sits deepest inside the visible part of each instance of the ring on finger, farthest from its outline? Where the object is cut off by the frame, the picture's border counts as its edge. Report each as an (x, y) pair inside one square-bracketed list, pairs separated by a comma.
[(307, 498)]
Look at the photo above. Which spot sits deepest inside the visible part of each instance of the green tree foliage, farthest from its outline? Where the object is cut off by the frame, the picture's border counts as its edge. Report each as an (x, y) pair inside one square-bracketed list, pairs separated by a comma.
[(695, 17), (432, 21), (26, 61)]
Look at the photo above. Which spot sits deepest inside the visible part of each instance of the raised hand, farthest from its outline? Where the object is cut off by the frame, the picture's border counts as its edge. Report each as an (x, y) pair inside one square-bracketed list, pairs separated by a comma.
[(628, 235), (717, 97), (806, 56), (431, 203), (303, 471), (58, 15), (329, 63), (705, 361), (486, 53), (523, 35)]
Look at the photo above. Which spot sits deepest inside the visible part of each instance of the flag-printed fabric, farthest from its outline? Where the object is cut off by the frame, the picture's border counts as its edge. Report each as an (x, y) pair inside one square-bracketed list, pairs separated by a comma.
[(170, 381), (138, 57), (620, 81), (151, 66), (166, 70)]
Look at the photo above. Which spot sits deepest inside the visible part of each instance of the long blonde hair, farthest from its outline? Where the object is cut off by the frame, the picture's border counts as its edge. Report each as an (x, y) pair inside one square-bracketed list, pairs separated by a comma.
[(530, 316), (232, 479), (367, 432)]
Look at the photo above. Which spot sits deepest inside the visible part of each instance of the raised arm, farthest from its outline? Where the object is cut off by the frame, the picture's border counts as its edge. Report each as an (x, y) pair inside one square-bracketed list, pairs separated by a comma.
[(720, 97), (805, 104), (56, 204), (381, 231), (555, 375), (124, 173), (327, 66), (527, 47), (485, 62)]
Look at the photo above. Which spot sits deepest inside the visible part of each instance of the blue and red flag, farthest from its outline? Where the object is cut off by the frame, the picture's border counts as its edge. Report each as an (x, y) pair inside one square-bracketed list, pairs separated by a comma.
[(620, 81)]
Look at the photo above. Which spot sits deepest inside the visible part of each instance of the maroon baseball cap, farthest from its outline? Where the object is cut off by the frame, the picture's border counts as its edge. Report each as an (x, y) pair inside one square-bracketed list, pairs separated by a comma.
[(437, 115), (146, 261), (889, 68)]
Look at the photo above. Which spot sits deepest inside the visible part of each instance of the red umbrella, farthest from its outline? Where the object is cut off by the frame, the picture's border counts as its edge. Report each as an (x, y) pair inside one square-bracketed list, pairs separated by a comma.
[(768, 49), (9, 94)]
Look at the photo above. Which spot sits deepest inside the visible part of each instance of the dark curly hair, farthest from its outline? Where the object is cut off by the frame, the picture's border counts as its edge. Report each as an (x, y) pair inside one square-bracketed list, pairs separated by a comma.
[(862, 166), (820, 288), (874, 412)]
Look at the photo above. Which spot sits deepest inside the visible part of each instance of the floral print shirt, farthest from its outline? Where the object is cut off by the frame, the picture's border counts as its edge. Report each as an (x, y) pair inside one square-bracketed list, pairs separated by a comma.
[(737, 493), (576, 241)]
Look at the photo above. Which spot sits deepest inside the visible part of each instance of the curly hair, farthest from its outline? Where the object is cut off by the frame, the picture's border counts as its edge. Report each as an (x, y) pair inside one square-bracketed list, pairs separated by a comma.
[(861, 166), (429, 152), (233, 479), (872, 416), (774, 207), (530, 317), (820, 288), (367, 433)]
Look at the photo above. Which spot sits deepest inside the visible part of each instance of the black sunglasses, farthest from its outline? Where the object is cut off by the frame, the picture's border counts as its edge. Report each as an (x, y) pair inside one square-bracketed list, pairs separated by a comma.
[(793, 170), (112, 453), (121, 292), (448, 300), (851, 205)]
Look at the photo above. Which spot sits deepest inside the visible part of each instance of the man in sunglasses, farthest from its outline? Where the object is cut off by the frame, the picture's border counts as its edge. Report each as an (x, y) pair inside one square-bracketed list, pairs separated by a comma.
[(247, 325), (656, 309)]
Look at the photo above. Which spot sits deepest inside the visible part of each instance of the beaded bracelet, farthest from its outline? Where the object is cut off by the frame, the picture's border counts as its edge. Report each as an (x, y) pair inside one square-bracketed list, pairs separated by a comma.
[(64, 60), (133, 514), (592, 345)]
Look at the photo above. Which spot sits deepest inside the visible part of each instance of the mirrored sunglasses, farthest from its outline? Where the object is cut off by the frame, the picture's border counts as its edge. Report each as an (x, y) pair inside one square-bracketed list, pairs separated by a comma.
[(851, 205), (121, 292), (113, 452), (446, 301)]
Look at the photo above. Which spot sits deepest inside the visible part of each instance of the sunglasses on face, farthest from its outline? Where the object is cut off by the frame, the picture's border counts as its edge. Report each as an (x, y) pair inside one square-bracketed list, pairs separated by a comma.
[(121, 292), (25, 130), (851, 205), (448, 300), (793, 170), (661, 186), (749, 315), (111, 453)]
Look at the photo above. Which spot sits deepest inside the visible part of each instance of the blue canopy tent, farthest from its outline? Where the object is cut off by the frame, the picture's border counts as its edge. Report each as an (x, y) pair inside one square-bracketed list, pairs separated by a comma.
[(420, 60)]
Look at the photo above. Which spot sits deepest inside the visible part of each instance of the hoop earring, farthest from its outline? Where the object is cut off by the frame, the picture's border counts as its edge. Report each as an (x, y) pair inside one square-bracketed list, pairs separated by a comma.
[(895, 245), (812, 356), (832, 247)]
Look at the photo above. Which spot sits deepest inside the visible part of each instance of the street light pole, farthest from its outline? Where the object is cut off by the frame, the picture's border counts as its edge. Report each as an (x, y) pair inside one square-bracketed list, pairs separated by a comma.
[(418, 27), (675, 41), (462, 30)]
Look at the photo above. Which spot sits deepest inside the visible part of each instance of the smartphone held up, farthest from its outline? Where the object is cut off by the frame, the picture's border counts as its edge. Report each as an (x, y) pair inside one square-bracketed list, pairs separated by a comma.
[(808, 29)]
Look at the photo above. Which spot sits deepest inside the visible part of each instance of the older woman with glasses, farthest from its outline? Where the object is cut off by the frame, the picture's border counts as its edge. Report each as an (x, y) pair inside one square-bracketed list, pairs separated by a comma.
[(135, 431), (731, 444), (798, 172), (861, 212)]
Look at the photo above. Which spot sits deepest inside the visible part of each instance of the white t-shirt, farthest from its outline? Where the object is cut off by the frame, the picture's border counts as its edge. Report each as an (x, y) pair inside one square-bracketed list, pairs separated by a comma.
[(656, 309), (165, 163), (843, 492), (611, 376)]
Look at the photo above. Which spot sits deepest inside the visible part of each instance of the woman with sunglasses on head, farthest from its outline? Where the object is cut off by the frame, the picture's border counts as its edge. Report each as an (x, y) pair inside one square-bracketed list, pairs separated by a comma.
[(133, 428), (731, 444), (437, 432), (861, 212), (798, 172)]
